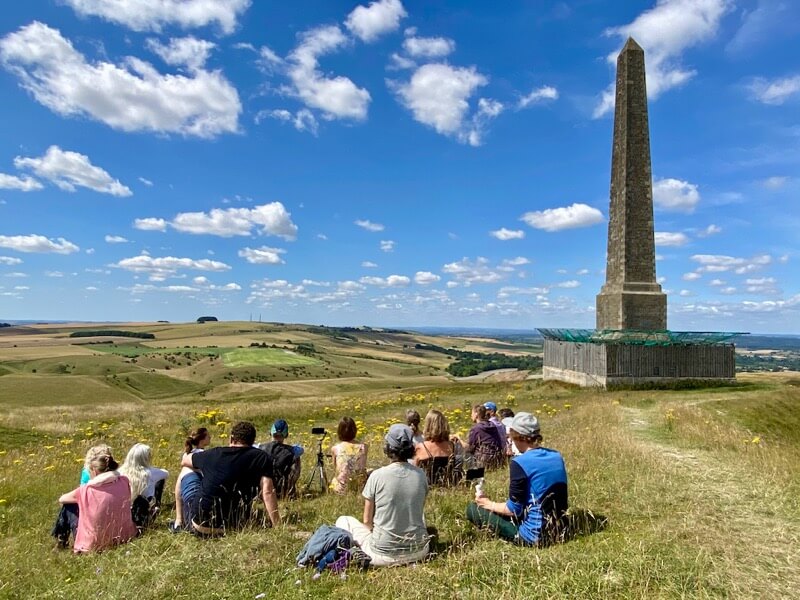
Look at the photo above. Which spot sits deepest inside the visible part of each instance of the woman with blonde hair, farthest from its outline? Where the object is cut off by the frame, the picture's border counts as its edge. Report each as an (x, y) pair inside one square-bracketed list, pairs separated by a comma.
[(437, 454), (102, 507), (146, 481)]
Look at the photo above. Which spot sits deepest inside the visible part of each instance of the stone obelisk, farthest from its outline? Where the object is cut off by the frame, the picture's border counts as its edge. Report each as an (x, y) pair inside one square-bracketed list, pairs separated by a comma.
[(631, 297)]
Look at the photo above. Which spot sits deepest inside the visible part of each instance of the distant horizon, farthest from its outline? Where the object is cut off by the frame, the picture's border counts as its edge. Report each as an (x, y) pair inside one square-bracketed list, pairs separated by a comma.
[(421, 328)]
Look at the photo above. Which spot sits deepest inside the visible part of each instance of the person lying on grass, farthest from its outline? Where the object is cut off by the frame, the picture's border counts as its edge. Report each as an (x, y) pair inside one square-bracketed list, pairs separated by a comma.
[(534, 513), (232, 478), (97, 513), (186, 490), (393, 530)]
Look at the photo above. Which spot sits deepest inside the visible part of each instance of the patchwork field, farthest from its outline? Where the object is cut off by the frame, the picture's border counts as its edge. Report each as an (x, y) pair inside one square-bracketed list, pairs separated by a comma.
[(699, 488)]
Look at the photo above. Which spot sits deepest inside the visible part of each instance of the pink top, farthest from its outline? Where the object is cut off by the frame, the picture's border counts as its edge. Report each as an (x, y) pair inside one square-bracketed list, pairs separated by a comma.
[(104, 513)]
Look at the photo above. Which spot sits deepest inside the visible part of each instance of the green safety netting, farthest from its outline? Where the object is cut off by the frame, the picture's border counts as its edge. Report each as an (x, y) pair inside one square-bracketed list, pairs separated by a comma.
[(643, 338)]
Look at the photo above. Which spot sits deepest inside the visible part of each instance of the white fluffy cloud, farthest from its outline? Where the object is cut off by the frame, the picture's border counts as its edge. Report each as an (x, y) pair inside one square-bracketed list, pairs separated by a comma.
[(469, 272), (504, 234), (438, 96), (369, 225), (426, 277), (387, 245), (337, 97), (168, 266), (368, 264), (693, 276), (390, 281), (269, 219), (37, 244), (22, 184), (675, 195), (69, 170), (263, 255), (153, 15), (665, 32), (186, 51), (150, 224), (710, 230), (368, 23), (537, 96), (116, 239), (668, 238), (428, 47), (10, 261), (302, 120), (566, 217), (720, 263), (131, 96), (775, 91)]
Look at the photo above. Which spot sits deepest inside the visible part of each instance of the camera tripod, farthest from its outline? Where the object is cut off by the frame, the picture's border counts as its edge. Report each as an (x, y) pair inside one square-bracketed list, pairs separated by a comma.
[(318, 478)]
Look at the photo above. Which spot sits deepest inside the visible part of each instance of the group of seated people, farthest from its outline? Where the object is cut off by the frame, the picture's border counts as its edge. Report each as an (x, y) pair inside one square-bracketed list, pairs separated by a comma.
[(216, 487)]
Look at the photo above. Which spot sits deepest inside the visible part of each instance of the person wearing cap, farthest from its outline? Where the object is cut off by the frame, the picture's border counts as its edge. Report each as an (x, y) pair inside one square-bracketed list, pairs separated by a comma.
[(285, 459), (393, 529), (534, 513)]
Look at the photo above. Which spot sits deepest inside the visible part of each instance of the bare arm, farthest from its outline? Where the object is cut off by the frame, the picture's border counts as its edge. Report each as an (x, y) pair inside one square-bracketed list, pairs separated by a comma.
[(69, 497), (499, 508), (270, 500), (369, 513), (186, 461)]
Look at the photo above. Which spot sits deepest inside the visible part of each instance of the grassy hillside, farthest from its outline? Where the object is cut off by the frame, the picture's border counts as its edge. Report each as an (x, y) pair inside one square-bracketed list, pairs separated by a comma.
[(700, 488)]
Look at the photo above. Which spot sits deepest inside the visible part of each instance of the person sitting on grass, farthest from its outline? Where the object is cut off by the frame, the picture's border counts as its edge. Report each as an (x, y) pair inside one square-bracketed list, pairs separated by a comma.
[(349, 458), (506, 415), (186, 490), (491, 414), (535, 511), (438, 455), (413, 420), (485, 445), (147, 484), (101, 513), (233, 476), (285, 460), (393, 529)]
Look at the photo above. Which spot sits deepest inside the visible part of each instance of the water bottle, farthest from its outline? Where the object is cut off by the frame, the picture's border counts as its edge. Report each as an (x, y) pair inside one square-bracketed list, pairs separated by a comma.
[(479, 488)]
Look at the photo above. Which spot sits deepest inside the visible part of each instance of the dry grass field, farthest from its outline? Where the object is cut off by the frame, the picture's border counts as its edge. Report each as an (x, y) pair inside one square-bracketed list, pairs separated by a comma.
[(699, 488)]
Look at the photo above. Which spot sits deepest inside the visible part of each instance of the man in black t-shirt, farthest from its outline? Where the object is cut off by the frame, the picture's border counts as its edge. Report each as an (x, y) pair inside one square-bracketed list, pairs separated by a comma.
[(232, 478)]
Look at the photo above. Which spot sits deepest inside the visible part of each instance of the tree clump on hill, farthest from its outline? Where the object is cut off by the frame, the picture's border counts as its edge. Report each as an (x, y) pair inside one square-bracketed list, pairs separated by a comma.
[(206, 319), (5, 324), (113, 332), (472, 363)]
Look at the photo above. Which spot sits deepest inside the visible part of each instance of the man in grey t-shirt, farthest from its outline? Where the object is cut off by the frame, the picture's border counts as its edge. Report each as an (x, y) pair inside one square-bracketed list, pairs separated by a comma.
[(393, 531)]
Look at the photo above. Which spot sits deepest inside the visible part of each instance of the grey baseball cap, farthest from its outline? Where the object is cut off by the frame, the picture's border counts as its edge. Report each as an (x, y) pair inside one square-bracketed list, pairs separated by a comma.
[(525, 423), (400, 437)]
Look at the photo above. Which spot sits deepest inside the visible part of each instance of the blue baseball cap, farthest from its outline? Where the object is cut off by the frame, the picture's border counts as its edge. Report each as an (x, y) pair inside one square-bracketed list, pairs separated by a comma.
[(490, 406), (280, 427)]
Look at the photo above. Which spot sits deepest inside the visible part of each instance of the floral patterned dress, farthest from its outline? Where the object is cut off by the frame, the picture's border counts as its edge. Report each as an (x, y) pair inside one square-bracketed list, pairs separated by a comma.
[(350, 462)]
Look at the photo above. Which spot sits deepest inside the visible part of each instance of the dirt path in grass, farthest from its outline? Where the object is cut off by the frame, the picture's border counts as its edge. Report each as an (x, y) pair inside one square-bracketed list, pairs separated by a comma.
[(734, 517)]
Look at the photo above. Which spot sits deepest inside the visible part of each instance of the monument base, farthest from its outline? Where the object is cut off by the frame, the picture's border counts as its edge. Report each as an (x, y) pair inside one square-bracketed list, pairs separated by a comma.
[(642, 310), (604, 364)]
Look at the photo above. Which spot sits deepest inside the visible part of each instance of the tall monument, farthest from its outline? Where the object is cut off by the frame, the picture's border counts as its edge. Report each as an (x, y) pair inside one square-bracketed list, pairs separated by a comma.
[(631, 345), (631, 297)]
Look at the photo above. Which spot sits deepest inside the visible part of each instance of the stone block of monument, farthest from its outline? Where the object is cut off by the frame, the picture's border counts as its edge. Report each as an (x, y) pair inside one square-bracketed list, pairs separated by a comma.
[(631, 297)]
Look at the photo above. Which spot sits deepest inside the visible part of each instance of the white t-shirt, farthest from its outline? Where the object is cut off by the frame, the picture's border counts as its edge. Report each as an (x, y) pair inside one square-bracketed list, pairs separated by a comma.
[(399, 491), (155, 475)]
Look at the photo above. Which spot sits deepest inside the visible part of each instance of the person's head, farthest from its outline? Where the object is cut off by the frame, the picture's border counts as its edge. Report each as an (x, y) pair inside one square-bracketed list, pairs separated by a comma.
[(436, 427), (479, 413), (412, 420), (99, 460), (243, 434), (491, 408), (280, 430), (399, 443), (136, 468), (347, 429), (524, 431), (197, 438), (505, 413)]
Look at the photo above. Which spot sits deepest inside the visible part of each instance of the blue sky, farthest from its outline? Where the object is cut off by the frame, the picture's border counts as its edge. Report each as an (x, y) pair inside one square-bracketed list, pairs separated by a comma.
[(393, 163)]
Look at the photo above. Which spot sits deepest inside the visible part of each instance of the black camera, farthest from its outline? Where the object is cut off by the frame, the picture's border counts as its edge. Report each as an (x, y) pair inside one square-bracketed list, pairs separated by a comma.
[(473, 474), (318, 431)]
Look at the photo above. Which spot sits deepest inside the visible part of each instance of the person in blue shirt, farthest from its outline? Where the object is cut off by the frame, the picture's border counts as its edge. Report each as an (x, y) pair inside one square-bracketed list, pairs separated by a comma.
[(535, 512)]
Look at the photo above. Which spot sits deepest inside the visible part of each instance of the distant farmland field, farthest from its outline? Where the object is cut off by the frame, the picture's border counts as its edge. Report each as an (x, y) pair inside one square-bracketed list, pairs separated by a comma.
[(266, 357)]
